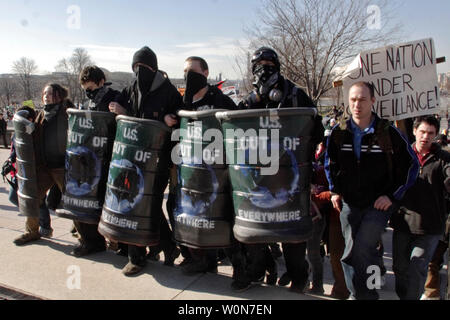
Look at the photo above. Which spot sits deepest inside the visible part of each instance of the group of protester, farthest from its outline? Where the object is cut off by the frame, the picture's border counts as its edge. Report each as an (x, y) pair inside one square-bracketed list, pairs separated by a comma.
[(365, 174)]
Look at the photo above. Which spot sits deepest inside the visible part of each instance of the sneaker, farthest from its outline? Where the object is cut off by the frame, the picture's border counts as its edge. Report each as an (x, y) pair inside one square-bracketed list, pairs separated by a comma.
[(44, 232), (284, 280), (27, 237), (132, 269), (240, 286), (170, 257), (83, 250)]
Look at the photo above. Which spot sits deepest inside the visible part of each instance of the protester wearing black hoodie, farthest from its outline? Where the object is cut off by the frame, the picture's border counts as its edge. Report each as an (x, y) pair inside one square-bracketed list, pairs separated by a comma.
[(151, 96), (100, 95)]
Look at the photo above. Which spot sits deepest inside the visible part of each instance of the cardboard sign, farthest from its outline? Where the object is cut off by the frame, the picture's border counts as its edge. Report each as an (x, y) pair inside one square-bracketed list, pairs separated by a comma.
[(404, 77)]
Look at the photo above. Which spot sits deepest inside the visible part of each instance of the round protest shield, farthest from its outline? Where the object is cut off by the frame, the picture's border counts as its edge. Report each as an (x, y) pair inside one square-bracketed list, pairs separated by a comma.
[(203, 211), (27, 192), (90, 138), (269, 153), (137, 177)]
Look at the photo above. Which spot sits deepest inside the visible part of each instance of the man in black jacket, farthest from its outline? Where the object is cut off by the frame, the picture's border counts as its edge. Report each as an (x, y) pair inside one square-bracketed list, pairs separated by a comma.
[(420, 222), (100, 95), (369, 167), (199, 95), (272, 90), (151, 96), (92, 80)]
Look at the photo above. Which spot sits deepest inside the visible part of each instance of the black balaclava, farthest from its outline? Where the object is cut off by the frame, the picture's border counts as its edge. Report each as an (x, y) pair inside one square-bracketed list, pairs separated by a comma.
[(145, 78), (144, 75), (194, 83), (92, 93)]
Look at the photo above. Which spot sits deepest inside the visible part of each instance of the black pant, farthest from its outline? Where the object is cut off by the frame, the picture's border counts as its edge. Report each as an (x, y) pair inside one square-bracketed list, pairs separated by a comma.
[(5, 141), (259, 260), (137, 254), (89, 234), (296, 264), (237, 255)]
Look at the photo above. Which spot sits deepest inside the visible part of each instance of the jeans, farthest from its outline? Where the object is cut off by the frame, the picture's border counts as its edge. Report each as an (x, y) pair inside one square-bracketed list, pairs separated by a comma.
[(433, 283), (362, 230), (44, 214), (411, 255)]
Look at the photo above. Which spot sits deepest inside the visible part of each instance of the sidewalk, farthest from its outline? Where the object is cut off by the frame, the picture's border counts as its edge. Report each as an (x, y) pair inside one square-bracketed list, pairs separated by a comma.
[(45, 269)]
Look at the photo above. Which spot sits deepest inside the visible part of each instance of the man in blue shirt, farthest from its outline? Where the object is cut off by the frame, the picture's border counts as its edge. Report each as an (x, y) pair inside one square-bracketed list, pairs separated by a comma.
[(369, 166)]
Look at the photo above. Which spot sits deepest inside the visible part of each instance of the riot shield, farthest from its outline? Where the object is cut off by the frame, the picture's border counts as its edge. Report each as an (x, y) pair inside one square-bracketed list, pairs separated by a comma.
[(27, 192), (203, 211), (90, 137), (137, 177), (269, 154)]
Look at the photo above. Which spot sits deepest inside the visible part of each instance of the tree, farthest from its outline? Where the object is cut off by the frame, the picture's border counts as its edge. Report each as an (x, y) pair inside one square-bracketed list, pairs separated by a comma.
[(315, 37), (243, 67), (72, 67), (8, 89), (25, 68)]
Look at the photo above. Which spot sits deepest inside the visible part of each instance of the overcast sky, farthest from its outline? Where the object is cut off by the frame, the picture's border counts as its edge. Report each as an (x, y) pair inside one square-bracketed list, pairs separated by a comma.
[(112, 30)]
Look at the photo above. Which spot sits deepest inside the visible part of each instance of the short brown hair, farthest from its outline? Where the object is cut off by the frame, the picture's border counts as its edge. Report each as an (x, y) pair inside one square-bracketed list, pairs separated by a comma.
[(92, 73), (203, 64), (430, 120), (366, 84)]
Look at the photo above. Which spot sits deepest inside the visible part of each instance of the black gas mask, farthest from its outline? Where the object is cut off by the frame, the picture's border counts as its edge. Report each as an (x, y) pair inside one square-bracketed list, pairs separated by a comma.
[(266, 78), (194, 83)]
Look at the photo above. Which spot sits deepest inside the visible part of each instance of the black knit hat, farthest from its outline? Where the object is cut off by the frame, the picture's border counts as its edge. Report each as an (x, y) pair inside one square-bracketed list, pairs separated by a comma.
[(147, 56)]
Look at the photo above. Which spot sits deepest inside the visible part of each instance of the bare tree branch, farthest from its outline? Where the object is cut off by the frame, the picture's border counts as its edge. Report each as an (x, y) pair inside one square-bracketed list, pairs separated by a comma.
[(25, 68), (71, 68), (315, 37)]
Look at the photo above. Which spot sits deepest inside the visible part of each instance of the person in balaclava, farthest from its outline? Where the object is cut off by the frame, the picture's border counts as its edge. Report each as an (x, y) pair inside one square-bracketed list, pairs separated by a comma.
[(98, 91), (151, 96), (198, 96), (92, 80), (272, 90)]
